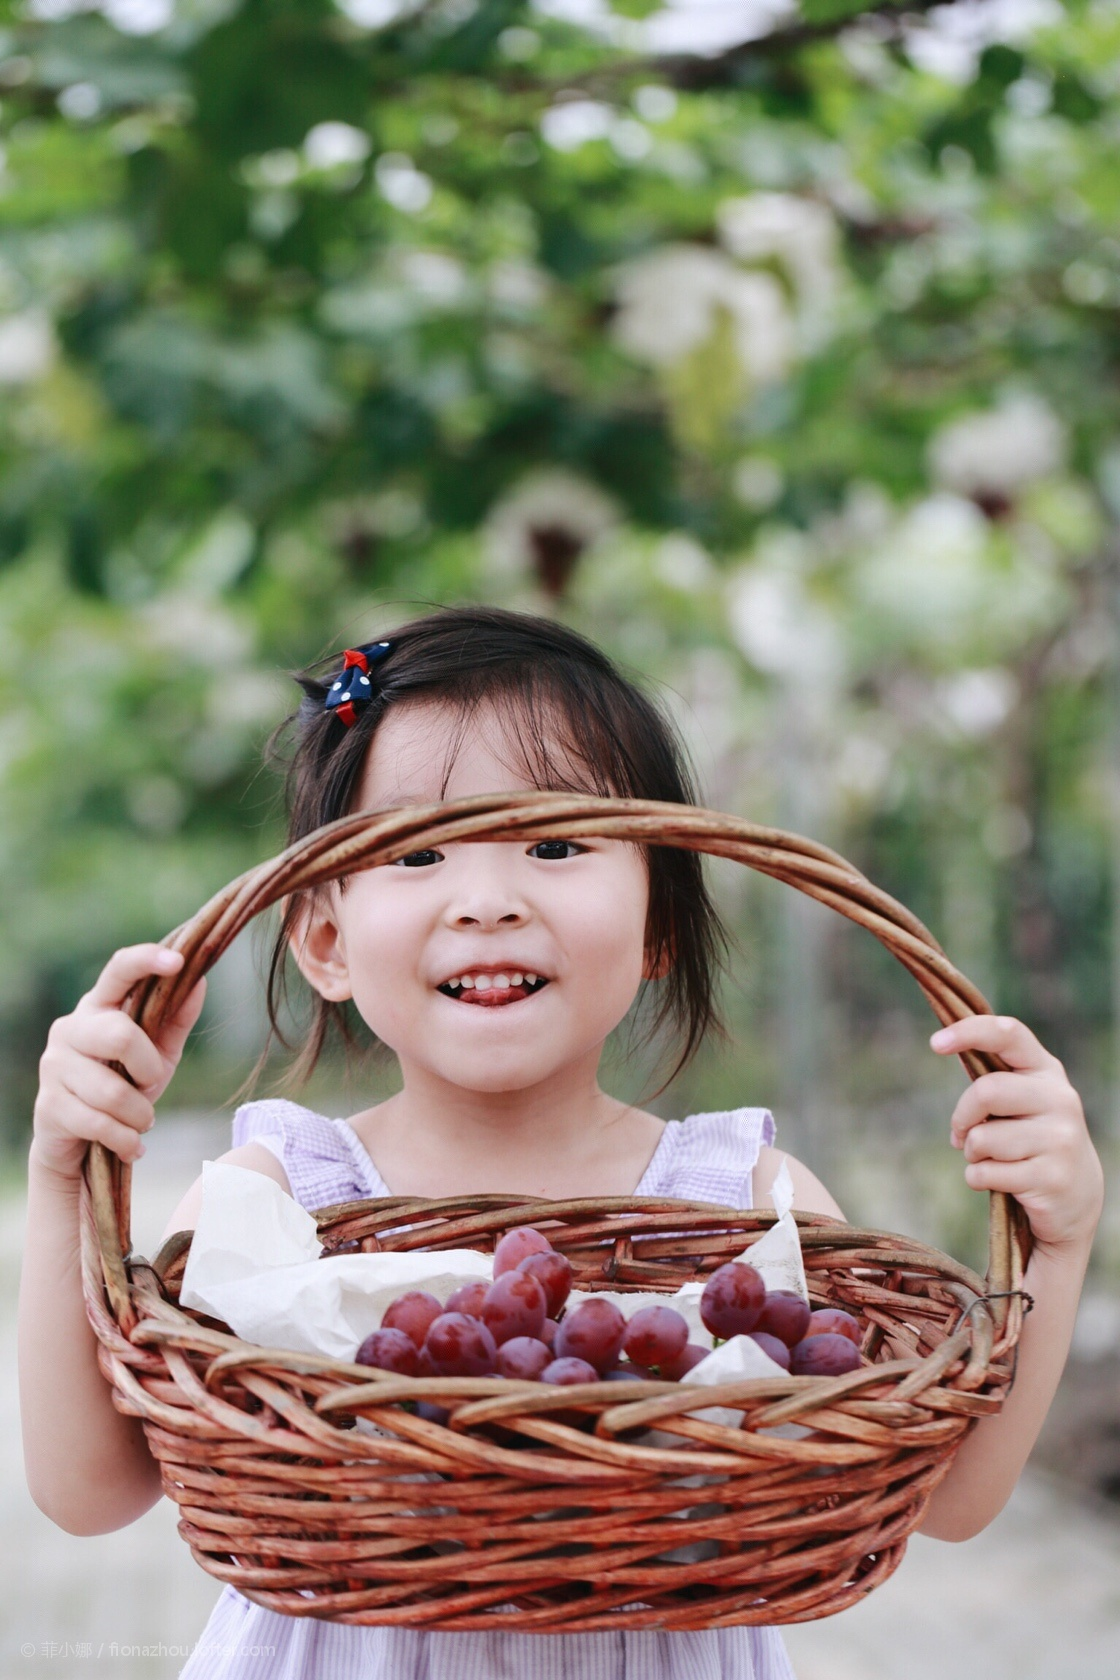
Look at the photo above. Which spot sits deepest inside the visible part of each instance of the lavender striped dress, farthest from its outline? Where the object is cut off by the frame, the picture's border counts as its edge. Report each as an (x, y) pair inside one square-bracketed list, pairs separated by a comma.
[(708, 1157)]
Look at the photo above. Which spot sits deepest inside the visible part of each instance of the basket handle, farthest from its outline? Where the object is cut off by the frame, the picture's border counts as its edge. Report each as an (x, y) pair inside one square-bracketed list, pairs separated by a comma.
[(370, 838)]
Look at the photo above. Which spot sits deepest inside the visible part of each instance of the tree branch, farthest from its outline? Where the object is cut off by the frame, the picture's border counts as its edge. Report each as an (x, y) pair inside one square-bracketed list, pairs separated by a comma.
[(694, 74)]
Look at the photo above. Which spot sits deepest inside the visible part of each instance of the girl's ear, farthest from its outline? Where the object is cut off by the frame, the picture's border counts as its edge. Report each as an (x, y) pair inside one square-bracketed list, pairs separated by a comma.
[(657, 968), (316, 944)]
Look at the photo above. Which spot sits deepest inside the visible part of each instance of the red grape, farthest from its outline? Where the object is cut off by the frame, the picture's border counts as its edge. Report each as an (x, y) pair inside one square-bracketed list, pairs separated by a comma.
[(772, 1345), (593, 1332), (731, 1304), (523, 1357), (626, 1373), (389, 1350), (516, 1246), (413, 1313), (784, 1315), (554, 1274), (691, 1354), (514, 1306), (832, 1321), (826, 1355), (468, 1299), (655, 1336), (459, 1346), (433, 1413), (548, 1332), (569, 1371)]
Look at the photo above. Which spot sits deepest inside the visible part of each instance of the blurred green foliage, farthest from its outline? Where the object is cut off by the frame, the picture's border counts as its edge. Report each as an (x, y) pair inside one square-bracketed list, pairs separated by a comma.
[(787, 370)]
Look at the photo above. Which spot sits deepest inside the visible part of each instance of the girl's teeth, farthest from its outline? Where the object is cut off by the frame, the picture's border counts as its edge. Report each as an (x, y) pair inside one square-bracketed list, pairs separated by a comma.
[(482, 983), (454, 983), (530, 979), (468, 982), (515, 979)]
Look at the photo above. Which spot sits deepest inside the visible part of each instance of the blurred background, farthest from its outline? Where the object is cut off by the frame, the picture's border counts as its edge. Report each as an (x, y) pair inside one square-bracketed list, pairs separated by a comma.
[(773, 345)]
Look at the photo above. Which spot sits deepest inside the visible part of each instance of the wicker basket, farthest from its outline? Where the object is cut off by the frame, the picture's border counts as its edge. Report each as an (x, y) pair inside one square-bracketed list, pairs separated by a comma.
[(539, 1509)]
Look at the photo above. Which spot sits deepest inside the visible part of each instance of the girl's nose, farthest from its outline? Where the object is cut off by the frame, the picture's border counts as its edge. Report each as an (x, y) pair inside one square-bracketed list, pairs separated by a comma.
[(486, 897), (489, 918)]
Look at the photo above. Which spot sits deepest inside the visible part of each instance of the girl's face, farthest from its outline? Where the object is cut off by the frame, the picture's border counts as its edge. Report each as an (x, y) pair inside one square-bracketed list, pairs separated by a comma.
[(484, 915)]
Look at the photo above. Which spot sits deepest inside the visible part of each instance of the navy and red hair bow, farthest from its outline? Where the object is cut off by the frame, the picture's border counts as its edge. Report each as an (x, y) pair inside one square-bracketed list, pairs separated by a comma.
[(353, 688)]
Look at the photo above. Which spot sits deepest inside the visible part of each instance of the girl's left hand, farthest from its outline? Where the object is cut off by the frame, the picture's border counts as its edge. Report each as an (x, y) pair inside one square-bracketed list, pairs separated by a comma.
[(1024, 1132)]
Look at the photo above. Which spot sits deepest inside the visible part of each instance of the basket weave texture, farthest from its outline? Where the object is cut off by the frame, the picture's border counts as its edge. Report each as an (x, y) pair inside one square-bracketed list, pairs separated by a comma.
[(314, 1487)]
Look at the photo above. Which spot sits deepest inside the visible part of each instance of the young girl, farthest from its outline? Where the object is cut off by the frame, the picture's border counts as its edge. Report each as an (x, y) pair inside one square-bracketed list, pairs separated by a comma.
[(494, 972)]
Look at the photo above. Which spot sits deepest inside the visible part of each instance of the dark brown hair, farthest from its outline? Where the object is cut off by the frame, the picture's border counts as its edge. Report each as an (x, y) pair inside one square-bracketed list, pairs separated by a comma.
[(580, 726)]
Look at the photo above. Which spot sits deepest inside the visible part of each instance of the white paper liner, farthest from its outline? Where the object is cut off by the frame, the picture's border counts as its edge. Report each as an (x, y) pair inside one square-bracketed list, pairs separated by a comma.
[(254, 1263)]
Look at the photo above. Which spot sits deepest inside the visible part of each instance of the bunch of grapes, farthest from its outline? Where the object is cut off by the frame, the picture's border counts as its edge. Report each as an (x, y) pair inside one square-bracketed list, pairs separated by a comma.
[(824, 1343), (517, 1326)]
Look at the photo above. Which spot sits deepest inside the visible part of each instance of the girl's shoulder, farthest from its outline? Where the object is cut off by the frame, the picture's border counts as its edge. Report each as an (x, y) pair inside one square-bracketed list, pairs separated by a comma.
[(322, 1157), (710, 1157)]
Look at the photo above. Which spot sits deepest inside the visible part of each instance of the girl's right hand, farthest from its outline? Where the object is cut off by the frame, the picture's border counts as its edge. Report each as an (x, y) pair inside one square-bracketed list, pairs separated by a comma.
[(80, 1098)]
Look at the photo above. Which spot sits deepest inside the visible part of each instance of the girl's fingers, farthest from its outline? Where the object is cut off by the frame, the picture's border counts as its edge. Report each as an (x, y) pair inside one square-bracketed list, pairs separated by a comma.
[(1021, 1179), (112, 1036), (98, 1087), (1001, 1035), (113, 985), (175, 1032), (1008, 1140), (124, 968), (85, 1121), (1003, 1094)]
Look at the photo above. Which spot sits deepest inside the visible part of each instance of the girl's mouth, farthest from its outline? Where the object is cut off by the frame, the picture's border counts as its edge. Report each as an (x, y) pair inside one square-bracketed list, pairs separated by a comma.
[(490, 991)]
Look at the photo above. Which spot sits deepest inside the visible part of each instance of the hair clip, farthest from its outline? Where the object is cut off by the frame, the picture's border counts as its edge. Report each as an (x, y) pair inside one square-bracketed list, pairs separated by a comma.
[(353, 689)]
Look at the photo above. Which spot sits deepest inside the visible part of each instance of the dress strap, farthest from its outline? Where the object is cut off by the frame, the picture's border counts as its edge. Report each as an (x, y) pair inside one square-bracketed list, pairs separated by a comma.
[(710, 1157), (315, 1152)]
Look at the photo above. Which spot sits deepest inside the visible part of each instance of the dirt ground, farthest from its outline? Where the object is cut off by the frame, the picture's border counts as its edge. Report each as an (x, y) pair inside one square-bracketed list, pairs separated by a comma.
[(1036, 1597)]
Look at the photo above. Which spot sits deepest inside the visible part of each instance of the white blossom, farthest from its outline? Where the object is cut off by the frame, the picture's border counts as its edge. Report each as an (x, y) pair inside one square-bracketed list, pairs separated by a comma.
[(948, 42), (517, 285), (139, 17), (681, 562), (439, 280), (776, 622), (377, 14), (401, 184), (978, 701), (194, 631), (999, 450), (550, 512), (800, 235), (928, 572), (329, 145), (936, 581), (27, 347), (567, 126), (758, 482), (669, 302)]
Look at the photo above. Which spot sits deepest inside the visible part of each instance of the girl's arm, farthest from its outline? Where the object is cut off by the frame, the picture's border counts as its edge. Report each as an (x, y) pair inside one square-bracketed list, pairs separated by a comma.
[(88, 1465), (992, 1457), (1022, 1132)]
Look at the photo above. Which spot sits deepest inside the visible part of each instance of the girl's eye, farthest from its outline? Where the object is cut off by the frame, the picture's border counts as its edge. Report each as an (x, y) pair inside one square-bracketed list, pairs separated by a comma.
[(556, 850), (420, 860)]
